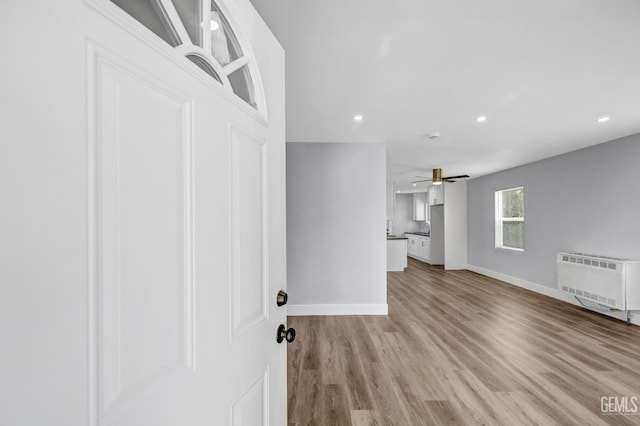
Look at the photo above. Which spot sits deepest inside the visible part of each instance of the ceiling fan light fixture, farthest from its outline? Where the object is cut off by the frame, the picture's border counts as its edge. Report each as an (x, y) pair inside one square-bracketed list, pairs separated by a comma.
[(437, 177)]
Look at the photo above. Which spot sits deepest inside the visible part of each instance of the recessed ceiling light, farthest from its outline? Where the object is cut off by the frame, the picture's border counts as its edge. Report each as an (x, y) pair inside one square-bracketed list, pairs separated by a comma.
[(357, 117), (481, 118), (214, 25), (603, 119), (414, 184)]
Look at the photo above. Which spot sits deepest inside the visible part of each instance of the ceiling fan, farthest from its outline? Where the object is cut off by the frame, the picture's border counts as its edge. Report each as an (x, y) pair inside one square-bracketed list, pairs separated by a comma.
[(437, 178)]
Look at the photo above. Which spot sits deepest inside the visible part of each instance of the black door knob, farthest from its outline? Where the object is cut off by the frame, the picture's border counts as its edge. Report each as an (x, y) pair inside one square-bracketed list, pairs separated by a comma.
[(284, 334), (282, 298)]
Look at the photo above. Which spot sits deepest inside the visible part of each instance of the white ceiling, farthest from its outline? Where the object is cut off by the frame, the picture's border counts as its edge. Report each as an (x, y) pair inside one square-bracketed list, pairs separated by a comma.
[(542, 71)]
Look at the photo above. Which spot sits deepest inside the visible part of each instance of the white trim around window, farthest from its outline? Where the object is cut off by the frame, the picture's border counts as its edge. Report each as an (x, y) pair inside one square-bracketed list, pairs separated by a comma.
[(514, 242)]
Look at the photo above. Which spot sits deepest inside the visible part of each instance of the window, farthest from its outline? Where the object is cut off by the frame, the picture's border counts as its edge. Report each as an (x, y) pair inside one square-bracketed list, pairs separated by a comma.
[(510, 219), (201, 31)]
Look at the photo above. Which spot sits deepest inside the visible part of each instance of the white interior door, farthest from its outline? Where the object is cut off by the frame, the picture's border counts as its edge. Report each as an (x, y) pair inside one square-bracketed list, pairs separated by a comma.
[(143, 244)]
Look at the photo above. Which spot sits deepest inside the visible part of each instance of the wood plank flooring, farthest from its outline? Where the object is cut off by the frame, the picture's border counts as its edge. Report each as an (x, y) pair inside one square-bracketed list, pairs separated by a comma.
[(460, 348)]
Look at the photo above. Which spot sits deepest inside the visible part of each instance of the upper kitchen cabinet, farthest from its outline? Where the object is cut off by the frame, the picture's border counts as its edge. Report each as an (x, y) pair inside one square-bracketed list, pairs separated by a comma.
[(391, 200), (436, 195), (420, 206)]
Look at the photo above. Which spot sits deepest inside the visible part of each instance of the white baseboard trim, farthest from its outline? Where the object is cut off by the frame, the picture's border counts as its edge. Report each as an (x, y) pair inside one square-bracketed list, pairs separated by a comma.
[(547, 291), (339, 309)]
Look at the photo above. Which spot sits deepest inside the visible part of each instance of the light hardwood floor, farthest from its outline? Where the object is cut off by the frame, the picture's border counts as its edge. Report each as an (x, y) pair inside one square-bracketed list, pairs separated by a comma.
[(461, 348)]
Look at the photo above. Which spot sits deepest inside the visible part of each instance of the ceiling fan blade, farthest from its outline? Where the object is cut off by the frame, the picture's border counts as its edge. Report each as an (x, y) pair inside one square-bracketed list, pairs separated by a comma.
[(423, 177), (455, 177), (420, 181)]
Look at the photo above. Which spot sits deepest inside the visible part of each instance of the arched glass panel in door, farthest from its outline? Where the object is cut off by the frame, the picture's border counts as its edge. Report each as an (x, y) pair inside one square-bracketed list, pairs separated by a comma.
[(204, 66), (203, 32), (152, 15)]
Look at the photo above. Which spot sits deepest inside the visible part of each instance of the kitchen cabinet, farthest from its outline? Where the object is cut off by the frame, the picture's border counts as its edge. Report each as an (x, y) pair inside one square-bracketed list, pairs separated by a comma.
[(427, 249), (419, 247), (396, 254), (420, 206), (436, 195), (411, 245), (424, 250)]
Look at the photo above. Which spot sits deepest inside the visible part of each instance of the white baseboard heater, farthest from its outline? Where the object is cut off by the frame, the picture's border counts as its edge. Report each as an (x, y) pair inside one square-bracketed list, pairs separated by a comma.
[(600, 282)]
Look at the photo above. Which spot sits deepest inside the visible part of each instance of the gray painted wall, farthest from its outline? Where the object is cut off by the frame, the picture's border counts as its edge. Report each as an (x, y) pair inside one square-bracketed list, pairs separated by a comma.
[(585, 201), (336, 223)]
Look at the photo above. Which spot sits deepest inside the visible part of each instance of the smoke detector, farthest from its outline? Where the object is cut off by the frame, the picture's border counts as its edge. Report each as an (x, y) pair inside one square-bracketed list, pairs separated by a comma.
[(434, 136)]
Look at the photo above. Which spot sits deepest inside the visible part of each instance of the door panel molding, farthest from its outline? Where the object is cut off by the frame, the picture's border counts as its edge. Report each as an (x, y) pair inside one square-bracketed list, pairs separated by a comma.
[(248, 183), (141, 335), (253, 404)]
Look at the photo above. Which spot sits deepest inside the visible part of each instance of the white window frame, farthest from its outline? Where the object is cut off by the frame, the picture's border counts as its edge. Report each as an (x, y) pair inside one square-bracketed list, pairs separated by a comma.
[(499, 220)]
